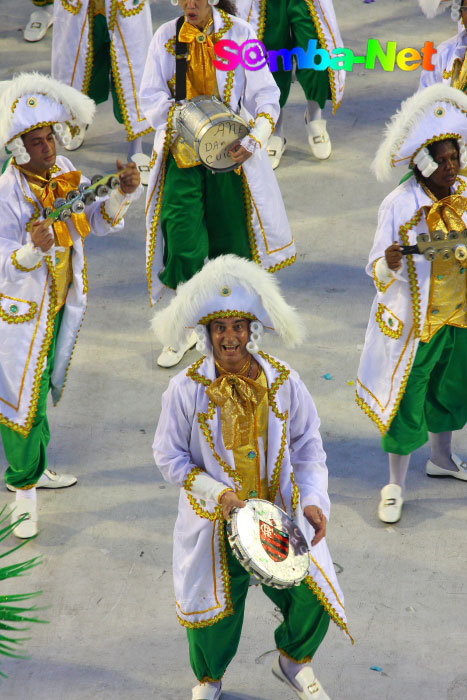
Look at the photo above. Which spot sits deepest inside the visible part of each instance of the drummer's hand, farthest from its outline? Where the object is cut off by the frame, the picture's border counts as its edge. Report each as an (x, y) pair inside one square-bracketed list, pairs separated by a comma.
[(239, 154), (317, 519), (41, 235), (129, 178), (393, 256), (229, 501)]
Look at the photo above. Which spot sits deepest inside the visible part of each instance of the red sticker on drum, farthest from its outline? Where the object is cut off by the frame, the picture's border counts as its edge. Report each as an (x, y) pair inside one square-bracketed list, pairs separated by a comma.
[(274, 541)]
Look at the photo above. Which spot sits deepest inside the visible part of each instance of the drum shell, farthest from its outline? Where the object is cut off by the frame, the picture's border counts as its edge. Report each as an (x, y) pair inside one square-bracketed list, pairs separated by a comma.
[(210, 128)]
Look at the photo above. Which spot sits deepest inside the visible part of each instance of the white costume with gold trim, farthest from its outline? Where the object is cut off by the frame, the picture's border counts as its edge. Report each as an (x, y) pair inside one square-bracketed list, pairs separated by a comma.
[(324, 17), (273, 245), (188, 426), (130, 30), (453, 48), (27, 309), (399, 309)]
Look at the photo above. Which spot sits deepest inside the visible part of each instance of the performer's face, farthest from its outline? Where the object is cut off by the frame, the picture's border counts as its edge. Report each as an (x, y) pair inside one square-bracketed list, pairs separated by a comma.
[(40, 144), (229, 337), (447, 157), (197, 12)]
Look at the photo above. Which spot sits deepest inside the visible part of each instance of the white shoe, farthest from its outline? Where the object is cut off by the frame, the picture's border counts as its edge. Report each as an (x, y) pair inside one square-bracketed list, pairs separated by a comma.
[(318, 138), (142, 163), (52, 480), (390, 506), (276, 147), (310, 687), (432, 469), (78, 132), (28, 526), (206, 691), (39, 22), (170, 356)]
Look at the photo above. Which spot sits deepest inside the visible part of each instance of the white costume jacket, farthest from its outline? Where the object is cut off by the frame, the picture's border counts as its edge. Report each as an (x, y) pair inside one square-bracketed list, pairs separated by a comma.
[(399, 309), (443, 60), (27, 299), (325, 21), (130, 30), (189, 439), (271, 240)]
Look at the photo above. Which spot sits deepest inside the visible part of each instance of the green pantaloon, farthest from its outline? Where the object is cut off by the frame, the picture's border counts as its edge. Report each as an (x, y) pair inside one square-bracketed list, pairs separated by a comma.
[(304, 627), (435, 398), (288, 25), (102, 81), (27, 456), (41, 3), (203, 216)]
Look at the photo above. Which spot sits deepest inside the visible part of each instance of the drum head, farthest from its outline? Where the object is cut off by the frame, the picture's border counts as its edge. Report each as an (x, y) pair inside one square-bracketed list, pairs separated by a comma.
[(271, 546), (215, 142)]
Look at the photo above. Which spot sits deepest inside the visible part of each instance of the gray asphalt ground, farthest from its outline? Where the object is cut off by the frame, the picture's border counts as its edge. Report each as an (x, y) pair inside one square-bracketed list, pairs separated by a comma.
[(106, 543)]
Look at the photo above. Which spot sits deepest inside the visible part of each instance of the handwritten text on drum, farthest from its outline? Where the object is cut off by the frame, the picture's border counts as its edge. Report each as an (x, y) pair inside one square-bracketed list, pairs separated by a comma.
[(253, 55)]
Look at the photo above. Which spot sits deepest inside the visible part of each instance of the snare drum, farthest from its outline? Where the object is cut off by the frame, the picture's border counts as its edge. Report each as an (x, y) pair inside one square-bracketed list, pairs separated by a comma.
[(210, 128), (268, 544)]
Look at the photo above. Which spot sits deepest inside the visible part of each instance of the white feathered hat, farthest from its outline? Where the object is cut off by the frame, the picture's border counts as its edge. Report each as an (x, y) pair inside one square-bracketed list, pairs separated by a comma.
[(228, 287), (438, 112), (431, 8), (33, 100)]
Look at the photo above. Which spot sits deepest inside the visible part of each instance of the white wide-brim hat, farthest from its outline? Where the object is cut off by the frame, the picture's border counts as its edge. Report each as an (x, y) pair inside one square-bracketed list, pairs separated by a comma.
[(431, 8)]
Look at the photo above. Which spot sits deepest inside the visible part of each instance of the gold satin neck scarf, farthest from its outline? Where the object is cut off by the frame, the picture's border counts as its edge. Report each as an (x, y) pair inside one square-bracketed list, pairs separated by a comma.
[(201, 74), (446, 214), (238, 396)]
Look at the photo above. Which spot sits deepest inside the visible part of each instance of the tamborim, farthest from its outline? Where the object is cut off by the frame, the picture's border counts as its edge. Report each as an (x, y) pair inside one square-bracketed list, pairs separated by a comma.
[(210, 128), (268, 544)]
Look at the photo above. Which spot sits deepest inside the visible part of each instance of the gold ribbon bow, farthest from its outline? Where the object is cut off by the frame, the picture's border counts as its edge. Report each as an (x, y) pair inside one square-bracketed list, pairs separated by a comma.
[(446, 214), (201, 75), (238, 398), (59, 187)]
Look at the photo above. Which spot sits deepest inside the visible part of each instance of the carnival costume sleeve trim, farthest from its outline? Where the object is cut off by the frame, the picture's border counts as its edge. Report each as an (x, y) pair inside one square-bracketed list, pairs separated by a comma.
[(116, 206), (26, 258)]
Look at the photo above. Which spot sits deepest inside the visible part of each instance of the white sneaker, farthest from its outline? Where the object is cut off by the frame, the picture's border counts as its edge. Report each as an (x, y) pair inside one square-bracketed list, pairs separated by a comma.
[(309, 686), (390, 506), (78, 132), (39, 22), (52, 480), (28, 526), (206, 691), (318, 138), (276, 147), (142, 163), (171, 356), (432, 469)]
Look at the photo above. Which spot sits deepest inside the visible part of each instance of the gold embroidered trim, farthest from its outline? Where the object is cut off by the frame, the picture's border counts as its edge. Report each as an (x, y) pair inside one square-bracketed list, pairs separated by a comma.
[(413, 279), (295, 497), (262, 19), (313, 586), (18, 318), (40, 125), (267, 116), (249, 220), (13, 106), (193, 373), (324, 45), (433, 139), (107, 218), (250, 136), (380, 286), (193, 502), (85, 273), (227, 314), (227, 490), (21, 267), (152, 162), (229, 87), (281, 265), (130, 13), (228, 24), (158, 208), (74, 9), (170, 46), (385, 327), (202, 420), (448, 74)]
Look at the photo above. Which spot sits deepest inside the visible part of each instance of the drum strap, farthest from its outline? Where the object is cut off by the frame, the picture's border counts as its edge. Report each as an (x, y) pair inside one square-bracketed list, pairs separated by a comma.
[(181, 52)]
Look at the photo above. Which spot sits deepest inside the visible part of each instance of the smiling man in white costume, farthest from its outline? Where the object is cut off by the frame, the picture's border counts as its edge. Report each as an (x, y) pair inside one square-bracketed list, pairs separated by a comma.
[(193, 214), (100, 47), (43, 273), (241, 424), (287, 24), (413, 371), (450, 59)]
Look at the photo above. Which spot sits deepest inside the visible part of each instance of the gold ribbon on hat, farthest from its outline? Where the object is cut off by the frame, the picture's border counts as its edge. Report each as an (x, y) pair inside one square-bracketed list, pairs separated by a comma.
[(239, 397)]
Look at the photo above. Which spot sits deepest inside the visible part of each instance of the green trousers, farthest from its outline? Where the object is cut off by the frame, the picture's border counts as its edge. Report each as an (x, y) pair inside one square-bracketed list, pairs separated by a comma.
[(203, 215), (41, 3), (288, 25), (435, 398), (27, 456), (299, 635), (102, 82)]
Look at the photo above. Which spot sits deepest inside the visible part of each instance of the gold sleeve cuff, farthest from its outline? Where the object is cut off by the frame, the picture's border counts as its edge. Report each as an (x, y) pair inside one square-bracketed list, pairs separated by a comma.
[(222, 493), (21, 267)]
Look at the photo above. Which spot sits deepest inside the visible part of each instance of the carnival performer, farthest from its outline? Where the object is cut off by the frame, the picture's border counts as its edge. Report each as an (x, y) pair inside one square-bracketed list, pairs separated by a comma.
[(40, 20), (450, 59), (286, 25), (241, 424), (413, 371), (100, 47), (43, 274), (193, 214)]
